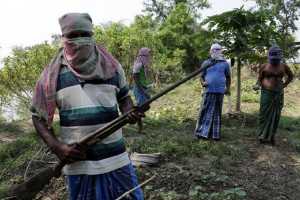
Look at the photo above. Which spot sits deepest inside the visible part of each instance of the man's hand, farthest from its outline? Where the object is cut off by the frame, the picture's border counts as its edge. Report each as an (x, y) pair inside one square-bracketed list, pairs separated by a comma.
[(126, 105), (69, 153), (135, 116), (204, 84), (255, 87), (227, 91), (66, 153)]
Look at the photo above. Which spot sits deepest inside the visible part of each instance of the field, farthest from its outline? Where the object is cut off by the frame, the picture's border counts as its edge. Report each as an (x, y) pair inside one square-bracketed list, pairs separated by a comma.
[(235, 168)]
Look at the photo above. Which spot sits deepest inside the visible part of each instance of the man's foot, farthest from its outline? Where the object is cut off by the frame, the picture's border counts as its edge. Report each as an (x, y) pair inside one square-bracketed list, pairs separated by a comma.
[(201, 137), (140, 131), (216, 139), (263, 141), (268, 142), (273, 141), (140, 127)]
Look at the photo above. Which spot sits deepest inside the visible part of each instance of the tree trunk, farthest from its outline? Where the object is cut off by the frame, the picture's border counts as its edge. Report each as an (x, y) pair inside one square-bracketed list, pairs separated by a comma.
[(238, 88)]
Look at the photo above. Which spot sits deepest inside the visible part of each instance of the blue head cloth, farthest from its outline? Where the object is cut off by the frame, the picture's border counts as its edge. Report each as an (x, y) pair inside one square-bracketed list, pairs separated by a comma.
[(275, 55)]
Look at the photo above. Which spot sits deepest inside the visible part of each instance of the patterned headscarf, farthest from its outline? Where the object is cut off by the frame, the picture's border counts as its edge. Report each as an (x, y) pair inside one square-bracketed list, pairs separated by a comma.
[(143, 59), (216, 52), (275, 53), (75, 22), (97, 63), (144, 56), (81, 52)]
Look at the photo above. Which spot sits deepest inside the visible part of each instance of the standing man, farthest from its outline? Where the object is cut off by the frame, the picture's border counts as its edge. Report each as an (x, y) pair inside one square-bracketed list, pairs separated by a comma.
[(141, 71), (88, 86), (215, 77), (271, 80)]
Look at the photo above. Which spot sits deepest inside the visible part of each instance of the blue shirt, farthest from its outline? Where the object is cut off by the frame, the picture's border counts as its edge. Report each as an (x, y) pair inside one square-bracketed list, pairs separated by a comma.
[(215, 76)]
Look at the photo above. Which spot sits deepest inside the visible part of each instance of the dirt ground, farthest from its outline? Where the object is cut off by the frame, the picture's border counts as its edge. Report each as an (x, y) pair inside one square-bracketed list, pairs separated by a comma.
[(269, 173), (265, 173)]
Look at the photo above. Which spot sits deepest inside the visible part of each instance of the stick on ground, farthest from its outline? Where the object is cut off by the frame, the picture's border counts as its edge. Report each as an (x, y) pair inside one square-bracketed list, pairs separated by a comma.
[(140, 185)]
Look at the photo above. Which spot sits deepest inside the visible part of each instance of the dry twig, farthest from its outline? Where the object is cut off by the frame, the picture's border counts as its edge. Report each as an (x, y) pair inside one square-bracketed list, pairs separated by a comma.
[(27, 168), (140, 185)]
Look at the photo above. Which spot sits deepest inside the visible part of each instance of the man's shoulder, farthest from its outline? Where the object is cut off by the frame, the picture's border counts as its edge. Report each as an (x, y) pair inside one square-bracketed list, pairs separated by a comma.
[(263, 66), (206, 63)]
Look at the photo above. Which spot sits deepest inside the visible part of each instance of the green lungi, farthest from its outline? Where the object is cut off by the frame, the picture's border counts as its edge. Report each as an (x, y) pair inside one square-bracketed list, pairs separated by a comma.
[(271, 103)]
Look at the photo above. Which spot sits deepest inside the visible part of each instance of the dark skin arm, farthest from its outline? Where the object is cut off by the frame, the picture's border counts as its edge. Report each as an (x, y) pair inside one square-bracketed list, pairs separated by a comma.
[(228, 83), (74, 152), (202, 81), (259, 78), (260, 74), (66, 153), (289, 74)]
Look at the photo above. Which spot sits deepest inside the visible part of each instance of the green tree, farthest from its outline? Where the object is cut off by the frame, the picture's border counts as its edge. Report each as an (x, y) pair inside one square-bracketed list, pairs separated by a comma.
[(161, 9), (180, 36), (285, 13), (19, 74), (125, 41)]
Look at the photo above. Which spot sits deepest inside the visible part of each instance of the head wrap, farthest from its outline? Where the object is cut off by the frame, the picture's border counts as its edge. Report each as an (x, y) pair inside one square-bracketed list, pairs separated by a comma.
[(275, 55), (75, 22), (216, 52), (143, 59), (81, 53), (144, 56), (83, 57)]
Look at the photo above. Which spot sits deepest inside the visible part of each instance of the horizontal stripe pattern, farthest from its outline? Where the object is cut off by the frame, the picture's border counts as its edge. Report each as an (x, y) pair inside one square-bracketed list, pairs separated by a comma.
[(85, 106), (122, 93), (88, 116), (67, 79), (101, 151), (97, 167), (73, 134), (90, 96)]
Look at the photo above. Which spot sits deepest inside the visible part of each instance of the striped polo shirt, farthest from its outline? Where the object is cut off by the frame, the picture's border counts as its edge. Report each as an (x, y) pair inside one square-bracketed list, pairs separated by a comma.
[(85, 106)]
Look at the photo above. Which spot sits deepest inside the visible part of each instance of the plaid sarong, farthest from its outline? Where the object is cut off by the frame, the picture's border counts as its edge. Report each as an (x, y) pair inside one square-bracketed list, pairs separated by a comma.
[(209, 121), (108, 186)]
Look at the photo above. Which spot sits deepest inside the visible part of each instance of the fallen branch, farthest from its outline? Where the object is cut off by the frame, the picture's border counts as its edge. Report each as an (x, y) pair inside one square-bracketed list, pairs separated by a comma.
[(133, 189), (27, 168)]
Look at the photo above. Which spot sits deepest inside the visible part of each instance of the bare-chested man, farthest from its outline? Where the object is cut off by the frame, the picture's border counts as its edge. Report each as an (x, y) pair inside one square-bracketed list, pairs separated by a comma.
[(273, 78)]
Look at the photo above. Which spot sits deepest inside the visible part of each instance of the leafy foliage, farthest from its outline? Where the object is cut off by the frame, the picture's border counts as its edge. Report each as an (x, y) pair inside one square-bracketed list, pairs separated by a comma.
[(20, 72), (161, 9), (245, 33), (179, 42), (285, 13)]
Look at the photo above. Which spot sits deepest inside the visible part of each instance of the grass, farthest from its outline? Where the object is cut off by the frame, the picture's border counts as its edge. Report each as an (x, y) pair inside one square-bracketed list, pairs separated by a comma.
[(190, 169)]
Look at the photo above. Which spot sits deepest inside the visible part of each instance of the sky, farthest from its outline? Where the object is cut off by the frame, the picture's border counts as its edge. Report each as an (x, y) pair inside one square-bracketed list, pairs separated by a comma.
[(30, 22)]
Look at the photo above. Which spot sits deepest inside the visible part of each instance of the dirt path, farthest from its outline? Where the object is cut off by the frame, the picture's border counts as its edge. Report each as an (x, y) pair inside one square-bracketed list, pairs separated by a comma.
[(267, 173), (271, 172)]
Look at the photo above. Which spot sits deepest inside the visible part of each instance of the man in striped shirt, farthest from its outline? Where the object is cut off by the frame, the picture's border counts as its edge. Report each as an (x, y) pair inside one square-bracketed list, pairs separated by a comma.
[(88, 86)]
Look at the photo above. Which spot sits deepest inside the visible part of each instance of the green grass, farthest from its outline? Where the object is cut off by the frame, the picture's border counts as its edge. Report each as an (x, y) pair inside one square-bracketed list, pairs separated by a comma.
[(169, 129), (14, 156)]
